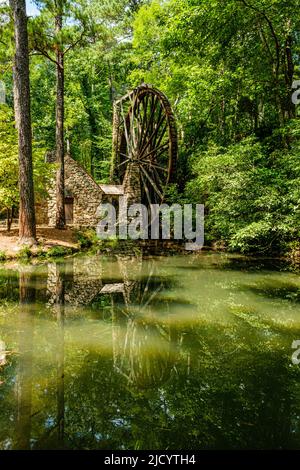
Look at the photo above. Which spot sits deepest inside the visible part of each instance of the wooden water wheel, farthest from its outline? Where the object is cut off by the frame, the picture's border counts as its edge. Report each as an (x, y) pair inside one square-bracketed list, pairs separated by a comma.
[(144, 143)]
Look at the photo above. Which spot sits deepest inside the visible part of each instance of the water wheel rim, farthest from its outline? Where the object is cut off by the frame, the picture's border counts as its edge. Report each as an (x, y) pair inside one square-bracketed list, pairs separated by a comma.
[(136, 99)]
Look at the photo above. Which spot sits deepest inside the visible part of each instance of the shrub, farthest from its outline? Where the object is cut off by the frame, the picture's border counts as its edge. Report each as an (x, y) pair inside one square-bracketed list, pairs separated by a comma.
[(87, 238), (24, 253), (251, 196), (58, 252)]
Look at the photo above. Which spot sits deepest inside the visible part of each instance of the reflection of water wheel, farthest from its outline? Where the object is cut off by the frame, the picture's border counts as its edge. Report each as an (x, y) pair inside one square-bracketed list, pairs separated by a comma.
[(144, 351), (145, 140)]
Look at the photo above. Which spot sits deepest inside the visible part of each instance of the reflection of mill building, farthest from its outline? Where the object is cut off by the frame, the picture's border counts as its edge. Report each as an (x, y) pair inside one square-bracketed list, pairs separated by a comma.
[(80, 288), (144, 351)]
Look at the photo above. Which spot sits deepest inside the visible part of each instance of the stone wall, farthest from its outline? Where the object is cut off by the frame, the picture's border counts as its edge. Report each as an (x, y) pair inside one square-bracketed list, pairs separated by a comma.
[(41, 213), (85, 191)]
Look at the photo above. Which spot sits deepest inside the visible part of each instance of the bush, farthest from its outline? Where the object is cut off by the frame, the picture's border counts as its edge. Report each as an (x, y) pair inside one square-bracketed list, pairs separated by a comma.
[(24, 253), (58, 252), (251, 196), (256, 238), (87, 238)]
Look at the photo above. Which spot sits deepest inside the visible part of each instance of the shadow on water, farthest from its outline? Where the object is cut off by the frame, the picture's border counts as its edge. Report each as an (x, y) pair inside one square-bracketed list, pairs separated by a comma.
[(237, 263), (92, 356), (275, 289)]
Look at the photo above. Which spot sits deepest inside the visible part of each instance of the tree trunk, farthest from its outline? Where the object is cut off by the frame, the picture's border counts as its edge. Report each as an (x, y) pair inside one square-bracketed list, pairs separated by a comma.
[(9, 218), (16, 101), (27, 229), (60, 175), (289, 77), (94, 131)]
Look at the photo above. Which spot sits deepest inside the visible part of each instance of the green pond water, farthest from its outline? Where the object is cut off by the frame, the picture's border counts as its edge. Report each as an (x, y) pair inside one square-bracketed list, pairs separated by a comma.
[(187, 352)]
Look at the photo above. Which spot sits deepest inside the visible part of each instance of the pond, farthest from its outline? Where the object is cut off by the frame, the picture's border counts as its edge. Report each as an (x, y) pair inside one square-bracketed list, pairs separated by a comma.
[(183, 352)]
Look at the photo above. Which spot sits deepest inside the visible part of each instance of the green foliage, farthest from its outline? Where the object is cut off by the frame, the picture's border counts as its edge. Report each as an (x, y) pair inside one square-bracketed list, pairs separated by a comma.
[(96, 67), (87, 238), (251, 195), (227, 68), (24, 253), (2, 256), (42, 172), (8, 160), (229, 77), (58, 252)]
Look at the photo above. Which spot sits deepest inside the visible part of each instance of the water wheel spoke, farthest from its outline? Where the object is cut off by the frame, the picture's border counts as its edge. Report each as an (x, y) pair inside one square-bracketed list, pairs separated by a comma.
[(150, 133), (158, 118), (139, 119), (152, 137), (133, 120), (151, 164), (159, 150), (156, 176), (144, 121), (149, 124), (153, 107), (146, 189), (124, 161), (162, 134), (152, 182)]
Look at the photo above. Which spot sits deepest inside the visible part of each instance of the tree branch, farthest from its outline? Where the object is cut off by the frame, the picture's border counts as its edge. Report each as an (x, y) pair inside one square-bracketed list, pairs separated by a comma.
[(45, 54), (273, 33), (74, 44), (263, 37)]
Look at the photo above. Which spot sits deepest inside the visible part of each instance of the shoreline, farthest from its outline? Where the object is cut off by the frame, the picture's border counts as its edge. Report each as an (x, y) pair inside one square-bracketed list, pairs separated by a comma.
[(54, 243)]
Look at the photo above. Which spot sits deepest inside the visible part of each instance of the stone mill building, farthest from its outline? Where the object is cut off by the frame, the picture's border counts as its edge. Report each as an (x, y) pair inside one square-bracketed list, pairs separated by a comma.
[(143, 164), (83, 196)]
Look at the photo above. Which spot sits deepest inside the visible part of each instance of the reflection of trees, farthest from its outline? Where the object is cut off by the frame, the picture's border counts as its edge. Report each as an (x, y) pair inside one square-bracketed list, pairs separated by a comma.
[(243, 402), (59, 309), (54, 433), (144, 353), (24, 372), (161, 385)]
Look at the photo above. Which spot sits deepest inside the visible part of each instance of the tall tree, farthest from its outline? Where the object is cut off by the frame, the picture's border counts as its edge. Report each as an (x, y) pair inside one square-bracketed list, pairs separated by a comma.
[(63, 39), (59, 129), (27, 229)]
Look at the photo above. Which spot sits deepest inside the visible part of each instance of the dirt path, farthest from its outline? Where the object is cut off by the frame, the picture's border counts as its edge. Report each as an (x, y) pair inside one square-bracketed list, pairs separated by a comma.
[(47, 238)]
